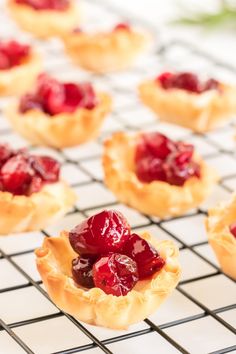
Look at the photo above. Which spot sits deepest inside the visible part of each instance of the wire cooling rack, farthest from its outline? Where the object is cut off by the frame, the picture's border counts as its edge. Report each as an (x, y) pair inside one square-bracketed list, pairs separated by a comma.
[(199, 317)]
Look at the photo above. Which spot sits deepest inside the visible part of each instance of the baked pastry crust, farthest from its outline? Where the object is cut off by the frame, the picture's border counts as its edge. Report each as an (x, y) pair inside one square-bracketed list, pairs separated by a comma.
[(19, 79), (44, 23), (105, 52), (94, 306), (156, 198), (19, 213), (62, 130), (198, 112), (220, 238)]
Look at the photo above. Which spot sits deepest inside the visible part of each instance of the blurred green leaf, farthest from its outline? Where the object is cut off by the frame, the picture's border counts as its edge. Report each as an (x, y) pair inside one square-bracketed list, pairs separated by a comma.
[(225, 16)]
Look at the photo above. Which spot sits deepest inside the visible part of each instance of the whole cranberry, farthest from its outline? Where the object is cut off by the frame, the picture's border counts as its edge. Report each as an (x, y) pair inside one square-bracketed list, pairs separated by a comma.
[(46, 167), (145, 255), (186, 81), (104, 232), (150, 169), (82, 271), (115, 274), (51, 93), (232, 229), (165, 79), (158, 144), (16, 175)]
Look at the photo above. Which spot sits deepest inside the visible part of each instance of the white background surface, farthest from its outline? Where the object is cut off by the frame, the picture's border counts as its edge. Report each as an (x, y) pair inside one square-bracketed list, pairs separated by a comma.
[(44, 329)]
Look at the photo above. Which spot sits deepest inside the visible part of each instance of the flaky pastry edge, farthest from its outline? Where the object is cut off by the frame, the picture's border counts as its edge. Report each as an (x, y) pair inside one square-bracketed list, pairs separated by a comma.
[(198, 112), (156, 198), (106, 52), (220, 238), (94, 306), (19, 213), (62, 130), (21, 78), (44, 23)]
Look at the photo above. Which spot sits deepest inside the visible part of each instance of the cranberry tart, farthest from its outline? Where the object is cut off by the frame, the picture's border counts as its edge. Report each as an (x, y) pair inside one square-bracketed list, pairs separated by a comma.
[(184, 99), (154, 174), (31, 192), (20, 65), (44, 18), (103, 274), (106, 52), (221, 228), (59, 114)]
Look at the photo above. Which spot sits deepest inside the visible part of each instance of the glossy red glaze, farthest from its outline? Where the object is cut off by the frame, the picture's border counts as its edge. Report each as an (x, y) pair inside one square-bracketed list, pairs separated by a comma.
[(115, 274), (12, 54), (186, 81), (158, 158), (47, 168), (104, 232), (24, 174), (145, 255), (54, 97)]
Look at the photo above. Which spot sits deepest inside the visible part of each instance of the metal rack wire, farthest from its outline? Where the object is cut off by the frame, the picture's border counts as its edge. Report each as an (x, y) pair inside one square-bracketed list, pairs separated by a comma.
[(83, 170)]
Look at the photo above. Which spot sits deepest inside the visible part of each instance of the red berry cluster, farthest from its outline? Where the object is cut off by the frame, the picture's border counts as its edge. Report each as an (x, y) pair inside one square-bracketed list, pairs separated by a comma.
[(186, 81), (111, 257), (24, 174), (160, 158), (59, 5), (53, 97), (12, 54)]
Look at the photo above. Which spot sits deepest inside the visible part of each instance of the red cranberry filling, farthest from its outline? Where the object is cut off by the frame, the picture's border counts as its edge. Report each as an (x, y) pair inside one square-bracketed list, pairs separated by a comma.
[(158, 158), (12, 54), (47, 168), (53, 97), (147, 258), (59, 5), (122, 27), (186, 81), (124, 258), (115, 274), (102, 233), (24, 174), (82, 271), (232, 229)]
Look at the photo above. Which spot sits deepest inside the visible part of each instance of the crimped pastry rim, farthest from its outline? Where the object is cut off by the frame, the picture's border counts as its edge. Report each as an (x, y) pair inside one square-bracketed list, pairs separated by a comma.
[(61, 130), (114, 51), (198, 112), (49, 22), (15, 81), (220, 238), (125, 310), (20, 213), (174, 200)]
